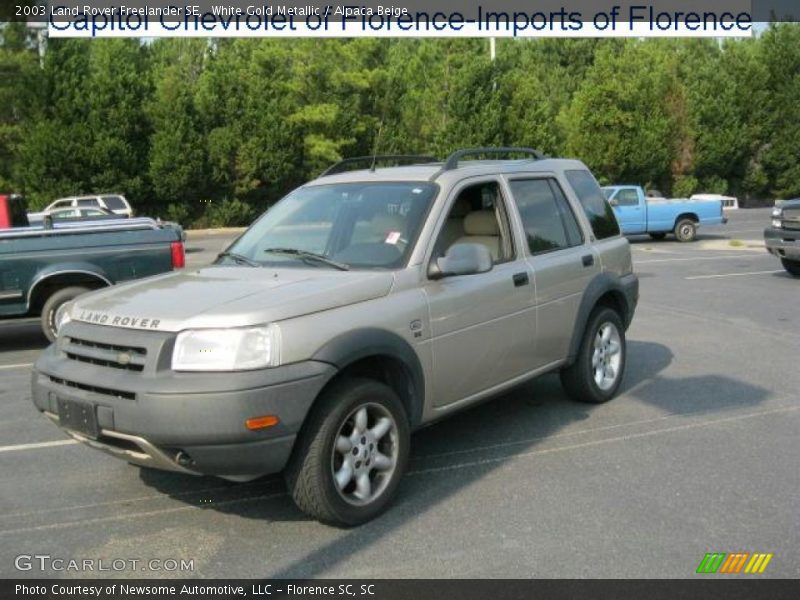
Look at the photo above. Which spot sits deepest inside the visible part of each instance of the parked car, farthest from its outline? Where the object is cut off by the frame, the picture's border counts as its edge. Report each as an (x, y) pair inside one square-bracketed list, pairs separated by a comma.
[(782, 239), (42, 269), (75, 214), (638, 214), (365, 304), (115, 203)]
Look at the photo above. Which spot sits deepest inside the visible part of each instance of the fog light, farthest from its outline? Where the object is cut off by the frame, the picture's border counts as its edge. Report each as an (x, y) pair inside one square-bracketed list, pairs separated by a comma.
[(264, 422)]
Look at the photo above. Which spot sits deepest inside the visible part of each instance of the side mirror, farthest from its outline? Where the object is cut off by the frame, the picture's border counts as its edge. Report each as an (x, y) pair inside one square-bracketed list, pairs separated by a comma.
[(614, 202), (462, 259)]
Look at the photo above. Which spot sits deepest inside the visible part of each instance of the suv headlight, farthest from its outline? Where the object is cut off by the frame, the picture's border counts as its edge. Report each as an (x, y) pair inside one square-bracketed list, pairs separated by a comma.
[(236, 349), (777, 212)]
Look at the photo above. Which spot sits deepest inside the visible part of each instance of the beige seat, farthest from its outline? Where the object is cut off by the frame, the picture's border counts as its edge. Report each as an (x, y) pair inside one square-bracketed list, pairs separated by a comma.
[(480, 227), (454, 226)]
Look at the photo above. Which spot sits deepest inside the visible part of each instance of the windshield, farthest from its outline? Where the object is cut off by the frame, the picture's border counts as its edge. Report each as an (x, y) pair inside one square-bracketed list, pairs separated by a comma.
[(358, 225)]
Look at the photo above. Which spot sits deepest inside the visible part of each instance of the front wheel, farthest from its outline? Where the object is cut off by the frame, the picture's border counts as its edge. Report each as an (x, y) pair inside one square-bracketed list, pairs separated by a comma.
[(791, 266), (596, 374), (686, 230), (351, 454), (51, 306)]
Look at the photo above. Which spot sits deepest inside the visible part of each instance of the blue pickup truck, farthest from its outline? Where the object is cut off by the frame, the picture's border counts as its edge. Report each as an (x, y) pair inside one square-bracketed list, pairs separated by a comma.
[(637, 214)]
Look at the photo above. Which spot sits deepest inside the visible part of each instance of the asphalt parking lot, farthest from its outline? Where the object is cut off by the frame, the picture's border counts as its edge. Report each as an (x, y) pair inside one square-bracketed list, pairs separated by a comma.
[(699, 453)]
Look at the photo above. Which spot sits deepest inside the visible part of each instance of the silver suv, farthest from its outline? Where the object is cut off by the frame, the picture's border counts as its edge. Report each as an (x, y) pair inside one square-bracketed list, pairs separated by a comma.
[(364, 305)]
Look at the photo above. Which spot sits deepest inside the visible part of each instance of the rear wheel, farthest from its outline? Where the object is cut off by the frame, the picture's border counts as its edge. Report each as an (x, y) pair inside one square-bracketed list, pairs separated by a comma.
[(686, 230), (658, 236), (596, 374), (351, 453), (792, 266), (51, 306)]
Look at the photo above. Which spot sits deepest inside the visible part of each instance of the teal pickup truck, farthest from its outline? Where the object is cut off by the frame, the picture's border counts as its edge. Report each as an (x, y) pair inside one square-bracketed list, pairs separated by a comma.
[(637, 214), (43, 268)]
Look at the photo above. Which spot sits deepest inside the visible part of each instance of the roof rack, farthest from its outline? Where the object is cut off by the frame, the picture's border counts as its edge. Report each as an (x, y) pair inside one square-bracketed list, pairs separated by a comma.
[(342, 165), (452, 161)]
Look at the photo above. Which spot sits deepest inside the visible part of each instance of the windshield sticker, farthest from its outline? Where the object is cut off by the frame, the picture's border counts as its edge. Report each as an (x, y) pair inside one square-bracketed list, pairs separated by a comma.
[(392, 238)]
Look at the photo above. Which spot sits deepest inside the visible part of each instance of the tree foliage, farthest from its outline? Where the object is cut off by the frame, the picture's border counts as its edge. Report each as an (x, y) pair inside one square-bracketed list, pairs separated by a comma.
[(215, 131)]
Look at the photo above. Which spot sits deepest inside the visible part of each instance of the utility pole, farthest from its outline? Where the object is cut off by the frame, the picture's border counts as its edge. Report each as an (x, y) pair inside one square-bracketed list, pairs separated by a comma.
[(41, 38)]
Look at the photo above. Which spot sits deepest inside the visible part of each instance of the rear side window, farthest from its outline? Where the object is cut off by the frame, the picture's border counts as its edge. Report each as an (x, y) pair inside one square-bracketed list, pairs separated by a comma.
[(549, 224), (599, 212), (114, 203), (88, 202)]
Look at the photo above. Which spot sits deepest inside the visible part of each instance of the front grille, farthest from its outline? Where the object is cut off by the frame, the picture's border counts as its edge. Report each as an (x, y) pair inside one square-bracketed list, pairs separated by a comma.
[(94, 389), (105, 355), (791, 218)]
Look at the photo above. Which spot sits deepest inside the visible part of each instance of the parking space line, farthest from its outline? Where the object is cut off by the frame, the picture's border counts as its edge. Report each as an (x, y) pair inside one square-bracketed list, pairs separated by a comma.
[(660, 260), (151, 513), (726, 232), (77, 507), (37, 445), (621, 438), (734, 274), (19, 366)]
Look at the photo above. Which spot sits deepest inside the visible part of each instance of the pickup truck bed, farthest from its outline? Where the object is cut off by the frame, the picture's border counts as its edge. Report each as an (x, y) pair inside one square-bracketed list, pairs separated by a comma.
[(42, 269)]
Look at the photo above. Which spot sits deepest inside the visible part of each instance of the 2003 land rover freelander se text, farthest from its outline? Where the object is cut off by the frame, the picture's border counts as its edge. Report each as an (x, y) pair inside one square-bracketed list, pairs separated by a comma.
[(363, 305)]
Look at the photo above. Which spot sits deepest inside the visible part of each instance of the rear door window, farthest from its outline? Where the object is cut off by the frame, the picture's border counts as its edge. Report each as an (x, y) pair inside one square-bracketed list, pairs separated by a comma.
[(88, 202), (114, 203), (549, 223), (597, 209)]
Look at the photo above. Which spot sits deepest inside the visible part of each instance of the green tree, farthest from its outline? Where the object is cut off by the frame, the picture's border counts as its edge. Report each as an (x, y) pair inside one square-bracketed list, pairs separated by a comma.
[(177, 154), (622, 120)]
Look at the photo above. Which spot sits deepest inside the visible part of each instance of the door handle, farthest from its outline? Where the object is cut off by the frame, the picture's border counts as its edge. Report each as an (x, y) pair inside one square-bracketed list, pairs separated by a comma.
[(520, 279), (588, 260)]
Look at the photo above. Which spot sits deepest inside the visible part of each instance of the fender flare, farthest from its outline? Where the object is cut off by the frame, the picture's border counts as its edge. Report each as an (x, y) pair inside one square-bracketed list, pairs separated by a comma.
[(348, 348), (75, 268), (627, 292)]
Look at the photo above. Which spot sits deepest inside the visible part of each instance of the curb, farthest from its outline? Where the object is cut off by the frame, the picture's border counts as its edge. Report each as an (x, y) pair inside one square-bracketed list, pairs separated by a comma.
[(190, 233)]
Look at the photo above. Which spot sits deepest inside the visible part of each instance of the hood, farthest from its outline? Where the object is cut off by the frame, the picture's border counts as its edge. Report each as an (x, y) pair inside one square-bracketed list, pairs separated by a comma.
[(227, 296)]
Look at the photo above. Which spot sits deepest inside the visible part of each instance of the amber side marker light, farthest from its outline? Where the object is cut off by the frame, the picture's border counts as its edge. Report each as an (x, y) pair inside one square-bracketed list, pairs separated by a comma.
[(261, 422)]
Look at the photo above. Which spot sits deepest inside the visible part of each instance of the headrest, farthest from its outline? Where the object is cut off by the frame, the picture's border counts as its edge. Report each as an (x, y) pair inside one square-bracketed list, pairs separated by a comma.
[(481, 222)]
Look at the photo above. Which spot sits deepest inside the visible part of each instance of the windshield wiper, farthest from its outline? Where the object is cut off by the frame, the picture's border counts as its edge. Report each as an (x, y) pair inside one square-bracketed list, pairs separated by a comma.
[(310, 256), (239, 258)]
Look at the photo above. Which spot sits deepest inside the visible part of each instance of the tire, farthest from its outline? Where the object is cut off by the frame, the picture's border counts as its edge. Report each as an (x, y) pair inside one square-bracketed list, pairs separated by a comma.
[(791, 266), (658, 236), (582, 380), (335, 441), (686, 230), (52, 305)]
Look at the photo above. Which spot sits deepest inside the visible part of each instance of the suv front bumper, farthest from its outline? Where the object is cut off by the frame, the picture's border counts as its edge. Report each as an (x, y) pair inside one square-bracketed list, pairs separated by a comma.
[(187, 422), (783, 243)]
